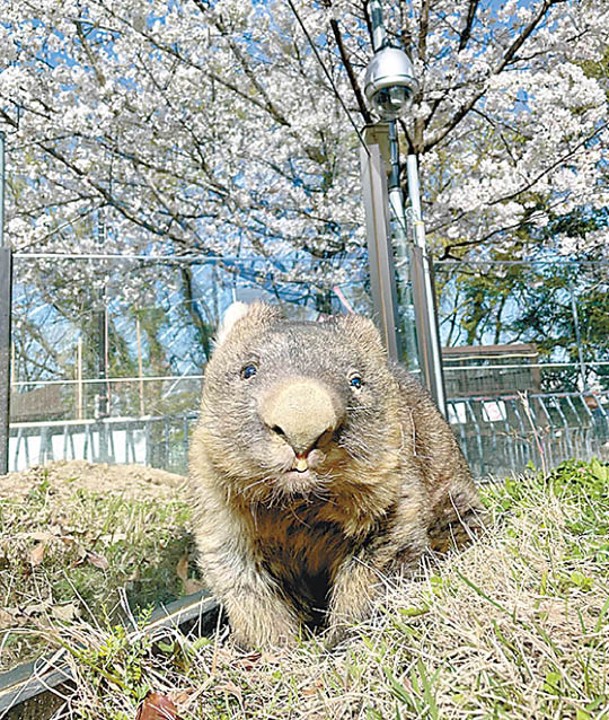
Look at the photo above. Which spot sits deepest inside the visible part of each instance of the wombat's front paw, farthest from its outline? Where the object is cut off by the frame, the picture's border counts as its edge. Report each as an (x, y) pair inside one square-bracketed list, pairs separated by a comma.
[(248, 642), (335, 634), (264, 630)]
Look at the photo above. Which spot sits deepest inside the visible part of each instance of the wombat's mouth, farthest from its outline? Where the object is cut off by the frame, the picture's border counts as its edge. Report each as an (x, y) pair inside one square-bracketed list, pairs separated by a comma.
[(285, 474), (303, 463), (302, 474), (298, 475), (295, 482)]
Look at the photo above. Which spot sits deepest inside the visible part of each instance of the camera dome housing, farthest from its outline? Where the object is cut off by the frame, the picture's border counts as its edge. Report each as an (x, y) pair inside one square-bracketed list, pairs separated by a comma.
[(389, 83)]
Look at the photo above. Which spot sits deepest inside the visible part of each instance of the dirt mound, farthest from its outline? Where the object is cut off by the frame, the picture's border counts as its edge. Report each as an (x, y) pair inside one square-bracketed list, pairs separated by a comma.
[(64, 477)]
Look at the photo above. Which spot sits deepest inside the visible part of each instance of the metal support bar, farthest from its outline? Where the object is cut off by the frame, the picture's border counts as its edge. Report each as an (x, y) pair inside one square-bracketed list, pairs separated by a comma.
[(6, 285), (101, 336), (35, 690), (380, 252), (578, 340), (424, 296), (427, 328)]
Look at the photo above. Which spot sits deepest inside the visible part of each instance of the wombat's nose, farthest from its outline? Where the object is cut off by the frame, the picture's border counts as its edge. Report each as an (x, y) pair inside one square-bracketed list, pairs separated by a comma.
[(301, 411)]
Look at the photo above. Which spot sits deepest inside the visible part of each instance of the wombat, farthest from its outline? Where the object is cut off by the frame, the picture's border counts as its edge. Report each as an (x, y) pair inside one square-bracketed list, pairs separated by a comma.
[(316, 468)]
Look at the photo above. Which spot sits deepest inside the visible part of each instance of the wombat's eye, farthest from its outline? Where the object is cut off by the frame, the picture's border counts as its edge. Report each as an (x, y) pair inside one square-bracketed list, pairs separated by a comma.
[(248, 371), (356, 381)]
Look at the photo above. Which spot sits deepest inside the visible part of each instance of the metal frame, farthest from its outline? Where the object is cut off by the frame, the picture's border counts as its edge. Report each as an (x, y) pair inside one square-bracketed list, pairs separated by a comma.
[(380, 251), (6, 289), (34, 691)]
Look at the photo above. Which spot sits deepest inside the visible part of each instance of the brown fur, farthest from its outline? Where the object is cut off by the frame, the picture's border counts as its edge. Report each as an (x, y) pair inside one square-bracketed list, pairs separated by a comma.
[(307, 490)]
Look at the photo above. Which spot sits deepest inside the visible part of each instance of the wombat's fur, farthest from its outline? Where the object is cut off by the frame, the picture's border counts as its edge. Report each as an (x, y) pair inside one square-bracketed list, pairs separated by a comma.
[(316, 467)]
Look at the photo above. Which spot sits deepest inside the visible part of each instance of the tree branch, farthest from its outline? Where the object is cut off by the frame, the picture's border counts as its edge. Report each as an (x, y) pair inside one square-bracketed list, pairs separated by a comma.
[(361, 103), (531, 182), (508, 57), (250, 74), (469, 23)]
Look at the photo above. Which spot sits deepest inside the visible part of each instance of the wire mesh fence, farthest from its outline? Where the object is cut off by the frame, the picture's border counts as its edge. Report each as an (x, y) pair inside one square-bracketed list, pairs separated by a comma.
[(160, 442), (505, 434), (109, 352)]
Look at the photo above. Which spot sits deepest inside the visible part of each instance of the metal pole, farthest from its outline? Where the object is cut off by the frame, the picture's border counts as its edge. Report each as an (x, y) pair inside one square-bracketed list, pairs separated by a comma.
[(79, 384), (101, 319), (428, 335), (406, 321), (6, 285), (578, 340), (140, 364), (415, 277), (380, 253), (2, 181), (379, 34)]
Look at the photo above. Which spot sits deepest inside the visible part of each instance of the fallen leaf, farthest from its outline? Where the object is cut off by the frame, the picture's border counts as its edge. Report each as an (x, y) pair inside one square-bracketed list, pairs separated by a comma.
[(9, 617), (111, 538), (97, 560), (181, 697), (39, 535), (230, 687), (191, 586), (35, 609), (13, 617), (248, 662), (157, 706), (182, 568), (313, 689), (81, 555), (37, 554), (65, 613)]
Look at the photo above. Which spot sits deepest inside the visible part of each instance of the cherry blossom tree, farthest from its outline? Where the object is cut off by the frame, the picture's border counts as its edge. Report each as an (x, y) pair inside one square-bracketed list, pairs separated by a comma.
[(511, 127), (230, 129), (195, 129), (214, 127)]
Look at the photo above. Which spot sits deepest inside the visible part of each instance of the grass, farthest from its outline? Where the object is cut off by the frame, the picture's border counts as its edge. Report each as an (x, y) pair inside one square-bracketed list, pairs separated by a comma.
[(516, 626), (83, 555)]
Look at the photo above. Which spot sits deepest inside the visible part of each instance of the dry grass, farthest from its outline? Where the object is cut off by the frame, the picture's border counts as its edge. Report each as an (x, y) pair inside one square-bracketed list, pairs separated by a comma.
[(77, 541), (517, 626)]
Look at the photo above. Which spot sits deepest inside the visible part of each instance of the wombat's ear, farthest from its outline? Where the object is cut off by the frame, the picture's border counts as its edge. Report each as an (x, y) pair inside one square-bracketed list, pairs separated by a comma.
[(241, 315), (364, 332)]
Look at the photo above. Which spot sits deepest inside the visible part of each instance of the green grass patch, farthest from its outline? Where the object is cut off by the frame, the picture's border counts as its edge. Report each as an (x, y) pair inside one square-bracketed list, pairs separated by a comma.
[(515, 627), (81, 554)]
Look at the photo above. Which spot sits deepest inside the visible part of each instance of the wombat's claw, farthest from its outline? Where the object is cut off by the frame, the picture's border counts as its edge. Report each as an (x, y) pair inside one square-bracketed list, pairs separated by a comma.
[(335, 635)]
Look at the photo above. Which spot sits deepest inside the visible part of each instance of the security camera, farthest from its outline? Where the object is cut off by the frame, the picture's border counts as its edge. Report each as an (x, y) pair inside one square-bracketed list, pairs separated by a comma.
[(389, 83)]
